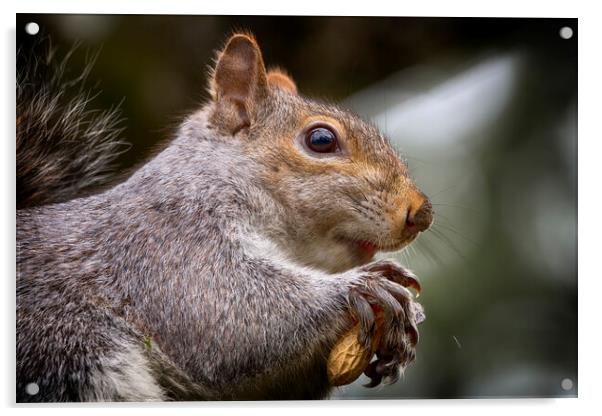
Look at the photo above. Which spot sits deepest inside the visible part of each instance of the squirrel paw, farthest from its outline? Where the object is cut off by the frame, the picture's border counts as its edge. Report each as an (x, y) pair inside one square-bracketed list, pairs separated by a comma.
[(383, 289)]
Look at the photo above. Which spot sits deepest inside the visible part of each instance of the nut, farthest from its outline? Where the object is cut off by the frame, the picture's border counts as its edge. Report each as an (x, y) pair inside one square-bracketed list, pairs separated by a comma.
[(348, 359)]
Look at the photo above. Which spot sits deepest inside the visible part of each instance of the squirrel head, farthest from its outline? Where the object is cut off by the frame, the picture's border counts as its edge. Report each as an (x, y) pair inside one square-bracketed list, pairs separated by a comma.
[(344, 191)]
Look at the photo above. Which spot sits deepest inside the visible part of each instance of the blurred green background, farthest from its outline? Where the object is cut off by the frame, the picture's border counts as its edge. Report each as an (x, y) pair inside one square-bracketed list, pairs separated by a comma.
[(485, 111)]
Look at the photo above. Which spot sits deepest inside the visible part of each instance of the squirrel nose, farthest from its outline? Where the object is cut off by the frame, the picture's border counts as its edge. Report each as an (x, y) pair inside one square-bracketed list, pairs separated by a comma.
[(421, 218)]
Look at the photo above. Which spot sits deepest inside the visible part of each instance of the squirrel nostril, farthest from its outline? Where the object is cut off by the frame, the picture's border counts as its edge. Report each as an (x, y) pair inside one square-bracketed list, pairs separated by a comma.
[(424, 216), (420, 219), (410, 224), (409, 221)]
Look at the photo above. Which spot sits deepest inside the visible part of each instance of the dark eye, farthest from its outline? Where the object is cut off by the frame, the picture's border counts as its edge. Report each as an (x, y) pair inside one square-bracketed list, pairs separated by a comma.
[(322, 140)]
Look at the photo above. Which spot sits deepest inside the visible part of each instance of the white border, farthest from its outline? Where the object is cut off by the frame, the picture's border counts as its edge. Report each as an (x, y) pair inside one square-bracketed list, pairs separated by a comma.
[(508, 8), (590, 115)]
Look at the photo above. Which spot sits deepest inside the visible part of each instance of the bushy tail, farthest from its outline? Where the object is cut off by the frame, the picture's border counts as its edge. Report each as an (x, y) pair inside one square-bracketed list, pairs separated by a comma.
[(64, 147)]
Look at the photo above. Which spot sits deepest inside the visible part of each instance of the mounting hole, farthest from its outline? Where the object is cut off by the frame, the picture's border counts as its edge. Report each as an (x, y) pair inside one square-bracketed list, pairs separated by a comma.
[(32, 389), (32, 28), (566, 33), (566, 384)]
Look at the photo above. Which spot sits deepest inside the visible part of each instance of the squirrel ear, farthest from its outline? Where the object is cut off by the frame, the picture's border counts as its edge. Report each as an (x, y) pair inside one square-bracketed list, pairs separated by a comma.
[(239, 83), (280, 79)]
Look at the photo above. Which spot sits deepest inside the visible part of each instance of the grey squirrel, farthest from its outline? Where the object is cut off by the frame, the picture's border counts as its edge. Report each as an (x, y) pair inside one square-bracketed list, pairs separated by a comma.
[(226, 267)]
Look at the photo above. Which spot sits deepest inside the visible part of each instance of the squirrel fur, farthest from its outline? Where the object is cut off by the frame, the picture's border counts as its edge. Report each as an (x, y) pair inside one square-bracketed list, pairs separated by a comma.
[(227, 266), (64, 147)]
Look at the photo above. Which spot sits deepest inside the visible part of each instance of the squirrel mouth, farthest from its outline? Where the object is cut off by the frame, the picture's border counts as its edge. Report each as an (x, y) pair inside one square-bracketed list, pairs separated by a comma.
[(365, 250)]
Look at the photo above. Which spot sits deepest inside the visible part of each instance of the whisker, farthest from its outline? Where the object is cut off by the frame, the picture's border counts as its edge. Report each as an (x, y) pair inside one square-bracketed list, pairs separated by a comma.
[(443, 238), (416, 159), (462, 207), (414, 250), (428, 253), (447, 220), (405, 254), (442, 191), (455, 231)]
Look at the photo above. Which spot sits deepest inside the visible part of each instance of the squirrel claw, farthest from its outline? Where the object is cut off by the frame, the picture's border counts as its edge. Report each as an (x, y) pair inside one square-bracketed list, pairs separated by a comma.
[(391, 379), (375, 377), (393, 271)]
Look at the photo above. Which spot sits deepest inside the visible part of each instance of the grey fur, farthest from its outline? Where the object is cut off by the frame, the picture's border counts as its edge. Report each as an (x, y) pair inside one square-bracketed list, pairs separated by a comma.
[(190, 280), (64, 147)]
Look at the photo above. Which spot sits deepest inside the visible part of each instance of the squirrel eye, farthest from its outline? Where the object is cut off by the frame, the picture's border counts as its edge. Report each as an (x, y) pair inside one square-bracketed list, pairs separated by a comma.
[(322, 140)]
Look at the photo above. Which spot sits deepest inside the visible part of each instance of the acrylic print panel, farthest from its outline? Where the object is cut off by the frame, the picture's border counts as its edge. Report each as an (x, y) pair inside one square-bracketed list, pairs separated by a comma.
[(195, 225)]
